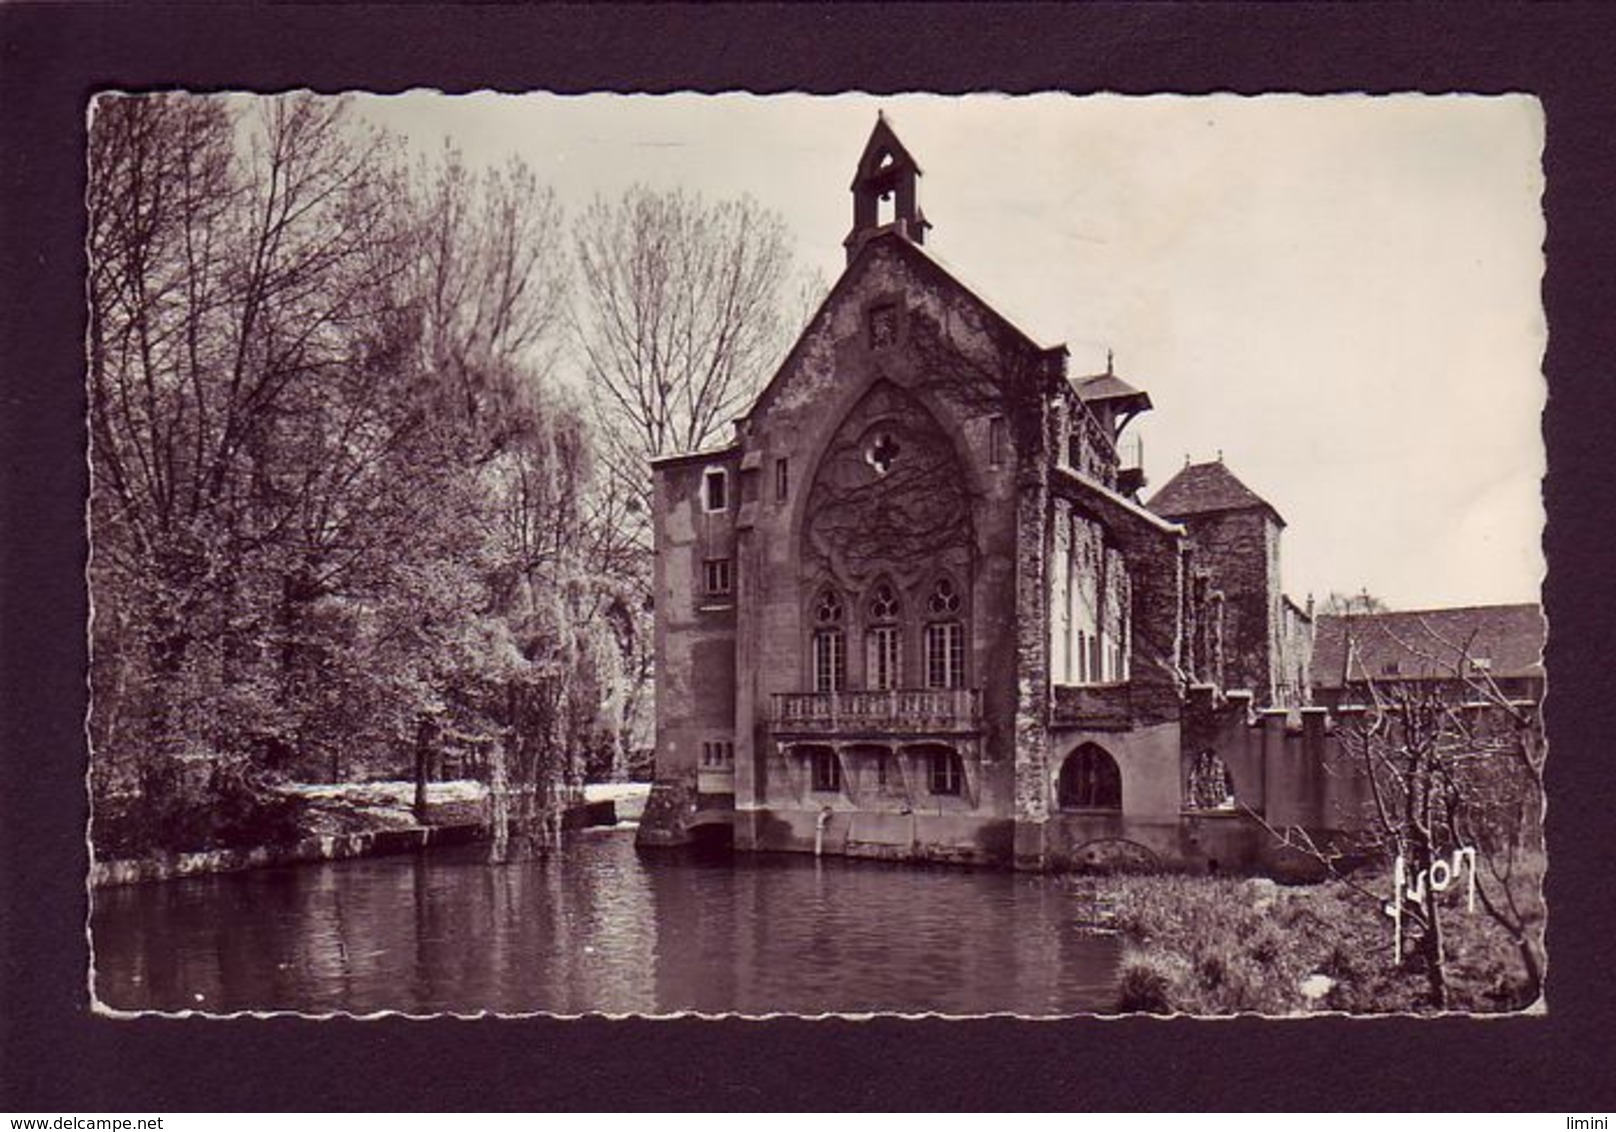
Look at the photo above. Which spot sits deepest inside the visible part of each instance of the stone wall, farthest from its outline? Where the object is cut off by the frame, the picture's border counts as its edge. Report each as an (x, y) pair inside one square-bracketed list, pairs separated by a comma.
[(332, 847)]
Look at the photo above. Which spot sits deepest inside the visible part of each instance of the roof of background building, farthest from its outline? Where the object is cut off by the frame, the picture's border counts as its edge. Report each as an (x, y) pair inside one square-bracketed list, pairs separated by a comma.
[(1200, 489), (1428, 643)]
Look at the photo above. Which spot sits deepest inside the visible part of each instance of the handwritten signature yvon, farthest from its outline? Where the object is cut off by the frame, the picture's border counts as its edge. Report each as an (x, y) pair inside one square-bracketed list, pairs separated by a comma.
[(1438, 877)]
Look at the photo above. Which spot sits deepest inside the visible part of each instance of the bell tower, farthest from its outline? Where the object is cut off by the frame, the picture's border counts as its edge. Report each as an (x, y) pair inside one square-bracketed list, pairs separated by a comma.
[(885, 191)]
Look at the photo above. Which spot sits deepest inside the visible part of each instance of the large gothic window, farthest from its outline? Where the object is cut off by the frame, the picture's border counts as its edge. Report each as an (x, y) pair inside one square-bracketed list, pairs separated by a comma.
[(945, 636), (830, 643), (889, 499), (888, 496), (1089, 780), (883, 639)]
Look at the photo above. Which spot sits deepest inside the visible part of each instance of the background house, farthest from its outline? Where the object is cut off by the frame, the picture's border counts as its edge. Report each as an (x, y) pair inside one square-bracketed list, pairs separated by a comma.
[(1460, 652)]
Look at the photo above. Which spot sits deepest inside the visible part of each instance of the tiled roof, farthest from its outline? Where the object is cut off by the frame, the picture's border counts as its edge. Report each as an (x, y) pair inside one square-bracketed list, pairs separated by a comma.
[(1199, 489), (1428, 643), (1104, 386)]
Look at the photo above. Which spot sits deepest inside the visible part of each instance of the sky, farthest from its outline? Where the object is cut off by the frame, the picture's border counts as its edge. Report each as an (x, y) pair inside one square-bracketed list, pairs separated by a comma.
[(1339, 295)]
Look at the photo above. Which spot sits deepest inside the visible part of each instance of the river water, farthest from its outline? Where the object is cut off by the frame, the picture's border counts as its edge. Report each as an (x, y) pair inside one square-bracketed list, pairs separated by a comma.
[(600, 928)]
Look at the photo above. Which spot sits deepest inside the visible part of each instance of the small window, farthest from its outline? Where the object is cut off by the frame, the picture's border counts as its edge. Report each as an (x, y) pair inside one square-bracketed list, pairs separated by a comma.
[(998, 438), (830, 660), (945, 655), (883, 658), (715, 489), (1390, 668), (946, 772), (883, 324), (782, 479), (827, 771), (828, 609), (944, 599), (945, 639), (830, 644), (884, 603), (717, 578)]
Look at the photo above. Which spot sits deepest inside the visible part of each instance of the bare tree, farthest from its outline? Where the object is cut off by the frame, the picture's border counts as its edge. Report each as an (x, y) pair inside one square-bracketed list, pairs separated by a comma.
[(679, 319), (1495, 749), (1338, 604)]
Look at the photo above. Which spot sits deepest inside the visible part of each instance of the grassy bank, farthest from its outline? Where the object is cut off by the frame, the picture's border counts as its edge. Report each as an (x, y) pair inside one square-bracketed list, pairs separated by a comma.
[(1223, 945)]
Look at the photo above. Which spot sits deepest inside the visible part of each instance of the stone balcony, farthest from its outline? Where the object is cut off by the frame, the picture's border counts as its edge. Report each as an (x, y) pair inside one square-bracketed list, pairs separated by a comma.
[(903, 711)]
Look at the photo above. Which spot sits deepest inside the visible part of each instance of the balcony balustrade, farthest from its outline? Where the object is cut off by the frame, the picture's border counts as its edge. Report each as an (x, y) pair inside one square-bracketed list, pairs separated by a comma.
[(902, 711)]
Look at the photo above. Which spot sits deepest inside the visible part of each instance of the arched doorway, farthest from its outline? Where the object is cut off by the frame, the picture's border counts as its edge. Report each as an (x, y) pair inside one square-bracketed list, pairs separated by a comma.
[(1089, 780)]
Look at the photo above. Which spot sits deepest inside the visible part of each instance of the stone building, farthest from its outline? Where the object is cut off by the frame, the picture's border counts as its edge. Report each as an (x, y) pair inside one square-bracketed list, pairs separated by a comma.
[(916, 609)]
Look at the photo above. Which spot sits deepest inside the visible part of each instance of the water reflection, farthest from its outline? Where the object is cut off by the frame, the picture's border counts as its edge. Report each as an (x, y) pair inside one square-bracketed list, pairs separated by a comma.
[(599, 929)]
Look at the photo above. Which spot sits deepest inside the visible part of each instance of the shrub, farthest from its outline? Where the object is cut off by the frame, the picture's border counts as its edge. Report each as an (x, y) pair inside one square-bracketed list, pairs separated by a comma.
[(1144, 987), (211, 808)]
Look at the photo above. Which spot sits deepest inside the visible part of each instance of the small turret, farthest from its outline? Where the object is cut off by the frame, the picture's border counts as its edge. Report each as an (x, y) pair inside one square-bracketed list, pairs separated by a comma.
[(1236, 535), (885, 191)]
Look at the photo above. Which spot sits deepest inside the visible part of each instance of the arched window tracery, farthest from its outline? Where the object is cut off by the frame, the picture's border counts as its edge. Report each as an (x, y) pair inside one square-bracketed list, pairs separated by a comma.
[(1210, 785), (886, 510)]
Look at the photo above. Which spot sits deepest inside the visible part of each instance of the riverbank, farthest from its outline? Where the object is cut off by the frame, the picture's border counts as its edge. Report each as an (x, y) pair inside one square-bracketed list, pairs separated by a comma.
[(338, 821), (329, 847), (1222, 945)]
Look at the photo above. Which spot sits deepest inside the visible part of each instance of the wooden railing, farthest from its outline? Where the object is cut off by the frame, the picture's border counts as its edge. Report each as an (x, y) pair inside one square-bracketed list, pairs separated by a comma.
[(901, 710)]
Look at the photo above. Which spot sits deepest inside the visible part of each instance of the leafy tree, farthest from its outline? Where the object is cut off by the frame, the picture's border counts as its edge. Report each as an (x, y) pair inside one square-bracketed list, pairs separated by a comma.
[(310, 375), (232, 286), (343, 516)]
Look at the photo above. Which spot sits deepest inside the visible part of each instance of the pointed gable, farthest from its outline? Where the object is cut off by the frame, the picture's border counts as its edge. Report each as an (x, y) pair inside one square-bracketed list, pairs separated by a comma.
[(1202, 489), (882, 152)]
